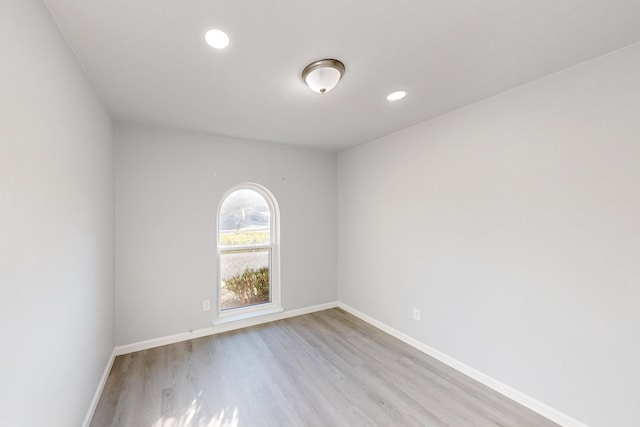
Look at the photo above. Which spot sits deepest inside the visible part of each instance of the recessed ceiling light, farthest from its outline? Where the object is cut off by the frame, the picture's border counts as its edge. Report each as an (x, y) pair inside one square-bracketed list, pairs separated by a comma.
[(394, 96), (217, 39)]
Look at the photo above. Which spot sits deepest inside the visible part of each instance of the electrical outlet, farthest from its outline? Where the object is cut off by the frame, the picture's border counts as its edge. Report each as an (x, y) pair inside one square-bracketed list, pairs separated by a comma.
[(416, 314), (206, 305)]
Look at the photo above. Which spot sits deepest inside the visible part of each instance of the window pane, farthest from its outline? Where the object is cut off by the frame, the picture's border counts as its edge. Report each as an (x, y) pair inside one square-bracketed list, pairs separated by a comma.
[(245, 219), (245, 278)]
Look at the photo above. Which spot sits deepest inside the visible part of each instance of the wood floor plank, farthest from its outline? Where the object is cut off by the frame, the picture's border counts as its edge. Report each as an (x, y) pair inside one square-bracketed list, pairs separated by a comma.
[(323, 369)]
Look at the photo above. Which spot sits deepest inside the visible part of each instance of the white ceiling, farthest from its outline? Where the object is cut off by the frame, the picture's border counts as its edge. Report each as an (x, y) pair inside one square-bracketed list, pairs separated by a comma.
[(148, 61)]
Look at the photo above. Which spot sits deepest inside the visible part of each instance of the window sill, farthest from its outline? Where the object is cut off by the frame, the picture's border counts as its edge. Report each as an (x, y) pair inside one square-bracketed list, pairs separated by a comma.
[(228, 318)]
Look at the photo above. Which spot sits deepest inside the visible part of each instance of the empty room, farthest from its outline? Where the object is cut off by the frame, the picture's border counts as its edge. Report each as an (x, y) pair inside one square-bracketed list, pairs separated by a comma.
[(232, 213)]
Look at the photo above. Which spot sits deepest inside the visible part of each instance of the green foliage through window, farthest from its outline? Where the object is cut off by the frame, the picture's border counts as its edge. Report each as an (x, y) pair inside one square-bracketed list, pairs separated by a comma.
[(250, 287)]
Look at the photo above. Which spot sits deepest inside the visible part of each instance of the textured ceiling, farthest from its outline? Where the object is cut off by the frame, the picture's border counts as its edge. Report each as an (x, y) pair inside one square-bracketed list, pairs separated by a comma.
[(148, 61)]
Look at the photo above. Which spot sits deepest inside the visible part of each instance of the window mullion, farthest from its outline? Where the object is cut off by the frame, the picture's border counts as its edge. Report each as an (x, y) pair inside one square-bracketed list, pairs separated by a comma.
[(226, 249)]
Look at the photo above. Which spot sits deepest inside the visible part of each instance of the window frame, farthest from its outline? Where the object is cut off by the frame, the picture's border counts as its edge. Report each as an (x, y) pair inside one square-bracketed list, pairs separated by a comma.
[(274, 306)]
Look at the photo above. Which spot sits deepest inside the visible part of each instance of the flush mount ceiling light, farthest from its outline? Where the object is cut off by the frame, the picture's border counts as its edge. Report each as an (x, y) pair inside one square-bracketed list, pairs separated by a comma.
[(395, 96), (217, 39), (322, 76)]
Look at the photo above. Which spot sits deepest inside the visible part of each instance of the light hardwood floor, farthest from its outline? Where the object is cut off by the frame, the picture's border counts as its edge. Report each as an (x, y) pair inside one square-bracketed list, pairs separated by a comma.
[(322, 369)]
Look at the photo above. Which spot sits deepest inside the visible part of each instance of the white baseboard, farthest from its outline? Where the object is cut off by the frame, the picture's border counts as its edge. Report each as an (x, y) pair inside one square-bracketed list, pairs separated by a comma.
[(515, 395), (98, 393), (216, 329)]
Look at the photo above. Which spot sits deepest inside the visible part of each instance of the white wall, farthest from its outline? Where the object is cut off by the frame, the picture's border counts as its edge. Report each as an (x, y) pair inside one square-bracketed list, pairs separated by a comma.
[(167, 200), (56, 225), (514, 225)]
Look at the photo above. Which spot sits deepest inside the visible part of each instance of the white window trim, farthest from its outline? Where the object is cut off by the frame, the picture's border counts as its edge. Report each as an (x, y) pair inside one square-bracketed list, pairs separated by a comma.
[(263, 309)]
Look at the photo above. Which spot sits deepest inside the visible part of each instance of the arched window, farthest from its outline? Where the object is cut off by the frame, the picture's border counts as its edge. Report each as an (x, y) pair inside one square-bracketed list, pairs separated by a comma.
[(248, 252)]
